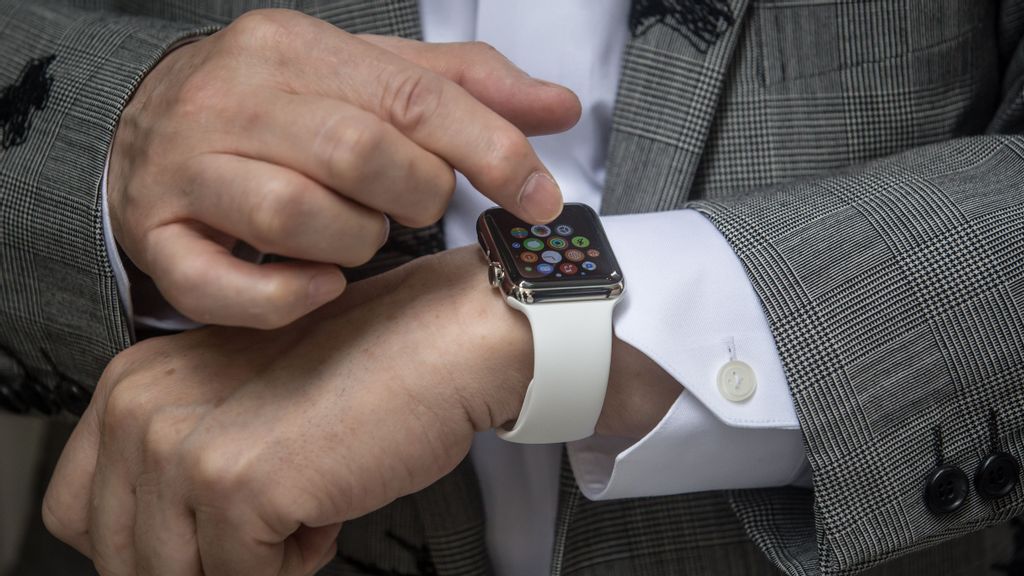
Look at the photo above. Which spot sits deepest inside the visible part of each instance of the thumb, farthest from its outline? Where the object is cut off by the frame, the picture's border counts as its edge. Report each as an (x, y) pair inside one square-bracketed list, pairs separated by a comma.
[(534, 106)]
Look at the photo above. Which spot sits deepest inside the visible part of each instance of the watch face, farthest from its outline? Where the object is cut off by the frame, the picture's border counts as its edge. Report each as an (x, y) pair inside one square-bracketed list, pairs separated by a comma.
[(570, 251)]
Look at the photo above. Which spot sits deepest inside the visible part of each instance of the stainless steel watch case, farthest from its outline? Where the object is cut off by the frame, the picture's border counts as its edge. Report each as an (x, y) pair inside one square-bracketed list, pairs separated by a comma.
[(526, 293)]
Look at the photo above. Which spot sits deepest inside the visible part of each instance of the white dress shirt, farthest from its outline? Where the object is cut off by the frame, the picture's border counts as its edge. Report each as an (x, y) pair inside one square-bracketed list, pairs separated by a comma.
[(688, 305)]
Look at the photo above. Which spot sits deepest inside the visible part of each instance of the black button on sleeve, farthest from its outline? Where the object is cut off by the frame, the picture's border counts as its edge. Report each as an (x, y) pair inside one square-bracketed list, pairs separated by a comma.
[(42, 397), (997, 475), (12, 400), (946, 489), (12, 378), (73, 397)]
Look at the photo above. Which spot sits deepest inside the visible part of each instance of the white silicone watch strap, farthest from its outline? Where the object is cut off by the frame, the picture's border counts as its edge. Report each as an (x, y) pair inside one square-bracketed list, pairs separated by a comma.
[(572, 351)]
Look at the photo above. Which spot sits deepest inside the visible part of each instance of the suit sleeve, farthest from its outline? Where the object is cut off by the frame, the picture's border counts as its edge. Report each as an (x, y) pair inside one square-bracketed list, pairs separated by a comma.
[(66, 73), (895, 293)]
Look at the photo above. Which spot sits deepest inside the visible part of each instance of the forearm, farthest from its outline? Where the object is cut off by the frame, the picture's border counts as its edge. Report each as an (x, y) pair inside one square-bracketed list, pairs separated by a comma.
[(639, 394)]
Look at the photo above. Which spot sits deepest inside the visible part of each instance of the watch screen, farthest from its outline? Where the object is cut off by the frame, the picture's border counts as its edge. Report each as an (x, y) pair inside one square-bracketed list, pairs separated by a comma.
[(571, 249)]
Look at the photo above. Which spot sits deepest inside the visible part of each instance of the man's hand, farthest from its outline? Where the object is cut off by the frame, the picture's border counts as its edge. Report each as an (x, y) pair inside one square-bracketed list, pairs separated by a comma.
[(291, 135), (236, 451)]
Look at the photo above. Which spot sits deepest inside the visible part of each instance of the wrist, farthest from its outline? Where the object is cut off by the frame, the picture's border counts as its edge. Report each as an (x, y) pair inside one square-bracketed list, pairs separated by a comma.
[(490, 343), (639, 394), (496, 345)]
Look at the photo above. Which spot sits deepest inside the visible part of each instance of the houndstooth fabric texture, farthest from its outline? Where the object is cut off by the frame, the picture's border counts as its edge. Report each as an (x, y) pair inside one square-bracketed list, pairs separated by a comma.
[(859, 156)]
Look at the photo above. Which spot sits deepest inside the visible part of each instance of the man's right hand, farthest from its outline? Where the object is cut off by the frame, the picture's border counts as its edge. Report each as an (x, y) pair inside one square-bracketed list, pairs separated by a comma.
[(296, 137)]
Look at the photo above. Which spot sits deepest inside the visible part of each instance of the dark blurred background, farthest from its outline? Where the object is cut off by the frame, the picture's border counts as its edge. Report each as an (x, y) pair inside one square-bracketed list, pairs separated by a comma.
[(29, 449)]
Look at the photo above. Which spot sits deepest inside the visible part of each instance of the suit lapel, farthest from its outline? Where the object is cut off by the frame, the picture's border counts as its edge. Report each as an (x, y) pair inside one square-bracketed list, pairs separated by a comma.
[(668, 93)]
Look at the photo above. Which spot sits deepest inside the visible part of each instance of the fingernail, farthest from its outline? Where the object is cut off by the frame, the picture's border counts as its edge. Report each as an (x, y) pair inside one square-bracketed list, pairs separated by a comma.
[(325, 286), (540, 198)]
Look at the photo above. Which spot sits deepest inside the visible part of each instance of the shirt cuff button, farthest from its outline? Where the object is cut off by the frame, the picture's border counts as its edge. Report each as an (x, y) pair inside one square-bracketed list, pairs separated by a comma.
[(737, 381)]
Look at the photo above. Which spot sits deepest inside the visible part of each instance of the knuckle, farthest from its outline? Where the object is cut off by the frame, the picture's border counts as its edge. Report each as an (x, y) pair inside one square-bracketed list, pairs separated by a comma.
[(482, 48), (280, 301), (426, 202), (438, 204), (427, 198), (348, 149), (411, 97), (252, 20), (162, 440), (128, 362), (126, 409), (260, 29), (275, 212), (432, 203), (430, 212), (117, 367), (214, 471), (362, 247), (505, 153)]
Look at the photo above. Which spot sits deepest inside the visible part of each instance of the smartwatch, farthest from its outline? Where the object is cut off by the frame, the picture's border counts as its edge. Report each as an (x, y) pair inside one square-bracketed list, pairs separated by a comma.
[(564, 278)]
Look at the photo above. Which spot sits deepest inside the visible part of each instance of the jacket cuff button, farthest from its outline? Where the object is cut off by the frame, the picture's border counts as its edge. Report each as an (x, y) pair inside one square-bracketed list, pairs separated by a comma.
[(41, 397), (74, 397), (12, 400), (997, 475), (946, 489)]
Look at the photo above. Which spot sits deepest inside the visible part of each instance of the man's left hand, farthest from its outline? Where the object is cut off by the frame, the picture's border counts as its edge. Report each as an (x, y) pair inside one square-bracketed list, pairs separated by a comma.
[(236, 451)]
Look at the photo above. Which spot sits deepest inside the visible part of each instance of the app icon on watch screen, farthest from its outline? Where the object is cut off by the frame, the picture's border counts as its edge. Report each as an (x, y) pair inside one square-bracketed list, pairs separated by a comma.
[(563, 229), (557, 243), (568, 268), (574, 255), (520, 232), (545, 268), (588, 266), (533, 244), (528, 257), (551, 257), (580, 241), (593, 253), (516, 245), (541, 231)]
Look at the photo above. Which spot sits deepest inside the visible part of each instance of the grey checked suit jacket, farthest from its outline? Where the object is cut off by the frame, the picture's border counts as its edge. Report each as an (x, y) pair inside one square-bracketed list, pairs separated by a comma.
[(864, 159)]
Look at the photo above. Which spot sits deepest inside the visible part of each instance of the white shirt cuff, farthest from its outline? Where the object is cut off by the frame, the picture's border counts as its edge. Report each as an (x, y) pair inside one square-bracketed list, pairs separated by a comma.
[(124, 285), (690, 450), (690, 307)]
